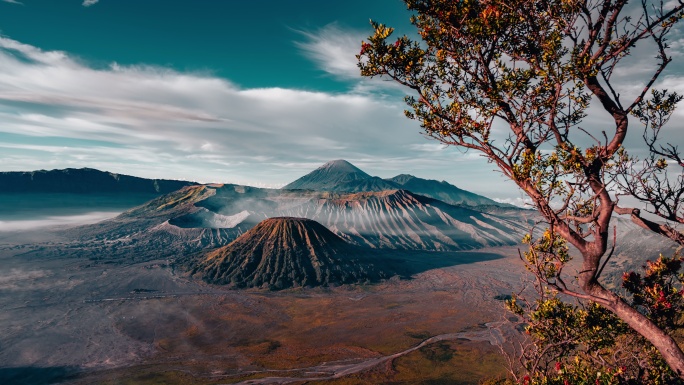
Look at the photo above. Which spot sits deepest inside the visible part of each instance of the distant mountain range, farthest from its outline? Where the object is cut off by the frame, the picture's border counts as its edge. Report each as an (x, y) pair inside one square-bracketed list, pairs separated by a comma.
[(350, 228), (202, 217), (76, 191), (342, 176), (336, 176), (405, 214), (83, 181)]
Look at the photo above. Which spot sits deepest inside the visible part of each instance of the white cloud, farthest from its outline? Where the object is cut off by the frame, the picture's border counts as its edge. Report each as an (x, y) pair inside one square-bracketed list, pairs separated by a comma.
[(520, 201), (334, 50), (428, 146), (670, 5), (155, 122), (88, 3), (13, 2)]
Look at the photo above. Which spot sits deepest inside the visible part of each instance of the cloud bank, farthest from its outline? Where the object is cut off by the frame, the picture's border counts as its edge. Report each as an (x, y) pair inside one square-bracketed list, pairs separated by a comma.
[(58, 111), (56, 221)]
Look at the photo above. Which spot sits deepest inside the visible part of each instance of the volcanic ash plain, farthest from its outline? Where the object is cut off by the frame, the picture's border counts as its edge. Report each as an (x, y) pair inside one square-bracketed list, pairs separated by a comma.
[(91, 320)]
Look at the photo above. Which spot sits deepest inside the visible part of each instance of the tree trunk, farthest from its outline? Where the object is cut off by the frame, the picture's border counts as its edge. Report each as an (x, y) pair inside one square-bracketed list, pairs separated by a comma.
[(665, 344)]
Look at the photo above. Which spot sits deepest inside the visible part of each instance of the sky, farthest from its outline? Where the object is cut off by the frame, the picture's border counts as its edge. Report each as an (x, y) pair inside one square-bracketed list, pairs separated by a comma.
[(252, 92)]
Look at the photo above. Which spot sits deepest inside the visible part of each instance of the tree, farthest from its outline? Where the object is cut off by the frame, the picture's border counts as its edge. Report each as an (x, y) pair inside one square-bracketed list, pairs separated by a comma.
[(585, 343), (532, 69)]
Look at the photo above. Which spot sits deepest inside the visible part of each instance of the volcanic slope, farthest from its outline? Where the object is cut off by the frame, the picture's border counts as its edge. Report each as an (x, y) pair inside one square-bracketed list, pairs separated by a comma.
[(395, 219), (285, 252), (399, 219), (197, 218), (144, 232)]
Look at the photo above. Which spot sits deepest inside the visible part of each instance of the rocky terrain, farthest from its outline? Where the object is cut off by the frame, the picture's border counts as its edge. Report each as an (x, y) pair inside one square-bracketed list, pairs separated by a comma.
[(208, 216)]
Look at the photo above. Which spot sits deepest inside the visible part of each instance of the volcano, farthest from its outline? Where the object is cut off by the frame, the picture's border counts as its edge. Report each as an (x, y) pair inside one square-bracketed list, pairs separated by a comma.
[(342, 176), (329, 177), (285, 252)]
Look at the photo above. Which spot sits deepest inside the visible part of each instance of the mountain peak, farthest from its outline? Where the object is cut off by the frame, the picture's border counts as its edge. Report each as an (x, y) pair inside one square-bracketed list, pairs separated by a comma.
[(341, 165), (284, 252), (329, 176)]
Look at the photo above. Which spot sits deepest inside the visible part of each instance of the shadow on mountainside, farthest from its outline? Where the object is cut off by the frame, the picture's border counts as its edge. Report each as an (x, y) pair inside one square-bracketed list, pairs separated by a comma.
[(383, 263), (284, 252), (36, 375), (405, 263)]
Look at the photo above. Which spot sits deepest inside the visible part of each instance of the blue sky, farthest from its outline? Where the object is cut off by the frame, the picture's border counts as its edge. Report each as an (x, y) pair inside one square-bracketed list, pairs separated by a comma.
[(252, 43), (253, 92)]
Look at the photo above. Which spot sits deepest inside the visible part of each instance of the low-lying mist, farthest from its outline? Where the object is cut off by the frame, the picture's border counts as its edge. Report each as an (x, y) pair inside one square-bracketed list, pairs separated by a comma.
[(39, 222)]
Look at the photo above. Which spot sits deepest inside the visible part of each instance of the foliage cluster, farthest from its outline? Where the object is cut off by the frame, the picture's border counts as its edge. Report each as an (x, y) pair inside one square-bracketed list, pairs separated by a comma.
[(515, 81), (585, 343)]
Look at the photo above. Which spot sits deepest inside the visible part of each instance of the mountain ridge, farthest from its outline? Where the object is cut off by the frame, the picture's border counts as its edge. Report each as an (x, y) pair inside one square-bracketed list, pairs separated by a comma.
[(83, 181), (342, 176), (202, 217), (443, 191), (335, 176)]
